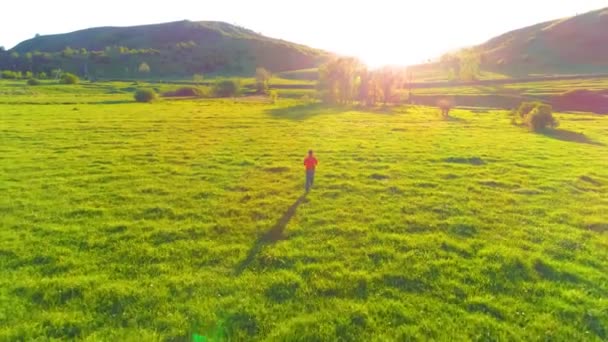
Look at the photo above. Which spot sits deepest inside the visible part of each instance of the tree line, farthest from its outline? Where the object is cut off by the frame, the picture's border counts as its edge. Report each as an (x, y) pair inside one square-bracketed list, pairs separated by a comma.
[(347, 80)]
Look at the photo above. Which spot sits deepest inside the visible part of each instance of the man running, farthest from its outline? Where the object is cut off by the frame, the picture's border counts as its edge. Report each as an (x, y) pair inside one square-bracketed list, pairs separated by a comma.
[(310, 162)]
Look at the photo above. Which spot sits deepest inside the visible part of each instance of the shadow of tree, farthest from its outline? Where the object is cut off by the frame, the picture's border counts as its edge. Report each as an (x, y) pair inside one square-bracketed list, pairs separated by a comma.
[(304, 111), (272, 236), (453, 119), (565, 135), (114, 102)]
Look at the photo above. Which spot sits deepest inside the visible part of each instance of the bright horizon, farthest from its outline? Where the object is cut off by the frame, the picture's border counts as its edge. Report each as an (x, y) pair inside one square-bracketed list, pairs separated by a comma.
[(378, 32)]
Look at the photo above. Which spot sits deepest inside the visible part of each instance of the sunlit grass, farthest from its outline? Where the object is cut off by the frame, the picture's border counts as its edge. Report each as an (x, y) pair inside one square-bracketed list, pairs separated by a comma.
[(128, 221)]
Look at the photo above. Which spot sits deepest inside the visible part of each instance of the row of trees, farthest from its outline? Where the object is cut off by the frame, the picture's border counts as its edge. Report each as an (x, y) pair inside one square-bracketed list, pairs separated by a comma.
[(120, 61), (17, 75), (463, 66), (346, 80)]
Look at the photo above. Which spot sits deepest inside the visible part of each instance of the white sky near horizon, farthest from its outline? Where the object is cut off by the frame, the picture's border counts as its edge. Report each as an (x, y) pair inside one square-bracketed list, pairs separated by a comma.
[(378, 32)]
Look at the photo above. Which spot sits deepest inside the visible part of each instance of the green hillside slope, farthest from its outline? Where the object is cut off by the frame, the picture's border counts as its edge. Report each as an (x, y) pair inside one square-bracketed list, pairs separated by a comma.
[(171, 50), (572, 45)]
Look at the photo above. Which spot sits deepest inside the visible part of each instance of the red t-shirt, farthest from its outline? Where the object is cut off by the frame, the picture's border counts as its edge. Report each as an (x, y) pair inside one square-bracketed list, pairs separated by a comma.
[(310, 163)]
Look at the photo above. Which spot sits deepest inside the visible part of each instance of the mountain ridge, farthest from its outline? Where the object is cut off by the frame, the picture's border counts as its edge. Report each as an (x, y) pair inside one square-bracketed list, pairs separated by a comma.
[(176, 48), (570, 45)]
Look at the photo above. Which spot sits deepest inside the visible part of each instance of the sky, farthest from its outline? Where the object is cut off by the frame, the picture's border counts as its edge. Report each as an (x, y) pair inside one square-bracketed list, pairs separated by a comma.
[(379, 32)]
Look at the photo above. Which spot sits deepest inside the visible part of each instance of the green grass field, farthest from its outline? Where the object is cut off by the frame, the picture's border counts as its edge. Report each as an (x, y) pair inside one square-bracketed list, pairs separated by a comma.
[(182, 219), (545, 88)]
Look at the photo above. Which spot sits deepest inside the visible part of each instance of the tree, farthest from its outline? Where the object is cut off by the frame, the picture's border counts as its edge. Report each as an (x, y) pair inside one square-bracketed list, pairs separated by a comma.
[(469, 65), (274, 96), (144, 68), (197, 78), (389, 78), (145, 95), (339, 80), (369, 90), (29, 60), (464, 66), (410, 81), (2, 49), (445, 105), (68, 78), (56, 73), (262, 78), (451, 66), (68, 52), (227, 88), (8, 74), (536, 115), (541, 117)]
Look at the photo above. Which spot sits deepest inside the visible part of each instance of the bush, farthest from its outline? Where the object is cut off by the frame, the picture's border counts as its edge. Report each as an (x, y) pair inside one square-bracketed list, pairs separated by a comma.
[(69, 78), (273, 95), (525, 108), (9, 75), (262, 78), (227, 88), (42, 75), (445, 105), (541, 117), (145, 95), (305, 98), (187, 92), (536, 115), (33, 82)]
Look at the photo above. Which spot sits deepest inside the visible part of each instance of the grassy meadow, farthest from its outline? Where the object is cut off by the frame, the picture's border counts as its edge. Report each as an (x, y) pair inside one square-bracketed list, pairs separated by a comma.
[(540, 88), (187, 219)]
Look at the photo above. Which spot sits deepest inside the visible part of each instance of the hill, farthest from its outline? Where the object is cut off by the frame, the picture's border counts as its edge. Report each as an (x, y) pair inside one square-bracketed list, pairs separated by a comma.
[(574, 45), (170, 49)]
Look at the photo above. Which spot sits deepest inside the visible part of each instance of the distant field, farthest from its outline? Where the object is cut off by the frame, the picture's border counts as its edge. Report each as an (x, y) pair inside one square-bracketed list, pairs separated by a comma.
[(311, 74), (552, 87), (510, 95), (435, 73), (49, 92), (177, 219)]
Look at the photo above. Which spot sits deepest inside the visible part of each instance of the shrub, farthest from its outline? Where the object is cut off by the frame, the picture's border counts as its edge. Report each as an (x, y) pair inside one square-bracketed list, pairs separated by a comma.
[(145, 95), (541, 117), (42, 75), (273, 95), (144, 68), (198, 78), (445, 105), (188, 91), (33, 82), (69, 78), (525, 108), (227, 88), (262, 78), (9, 75)]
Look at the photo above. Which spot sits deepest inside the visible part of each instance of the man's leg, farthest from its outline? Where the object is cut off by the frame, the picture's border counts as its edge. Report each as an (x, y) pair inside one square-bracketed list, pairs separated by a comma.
[(307, 181), (312, 177)]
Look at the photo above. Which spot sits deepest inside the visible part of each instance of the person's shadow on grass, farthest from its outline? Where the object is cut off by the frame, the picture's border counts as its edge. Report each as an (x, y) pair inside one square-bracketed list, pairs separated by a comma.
[(272, 236)]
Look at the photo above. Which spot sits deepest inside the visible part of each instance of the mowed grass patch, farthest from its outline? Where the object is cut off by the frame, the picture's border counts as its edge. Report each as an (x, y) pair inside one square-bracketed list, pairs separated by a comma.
[(157, 222)]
